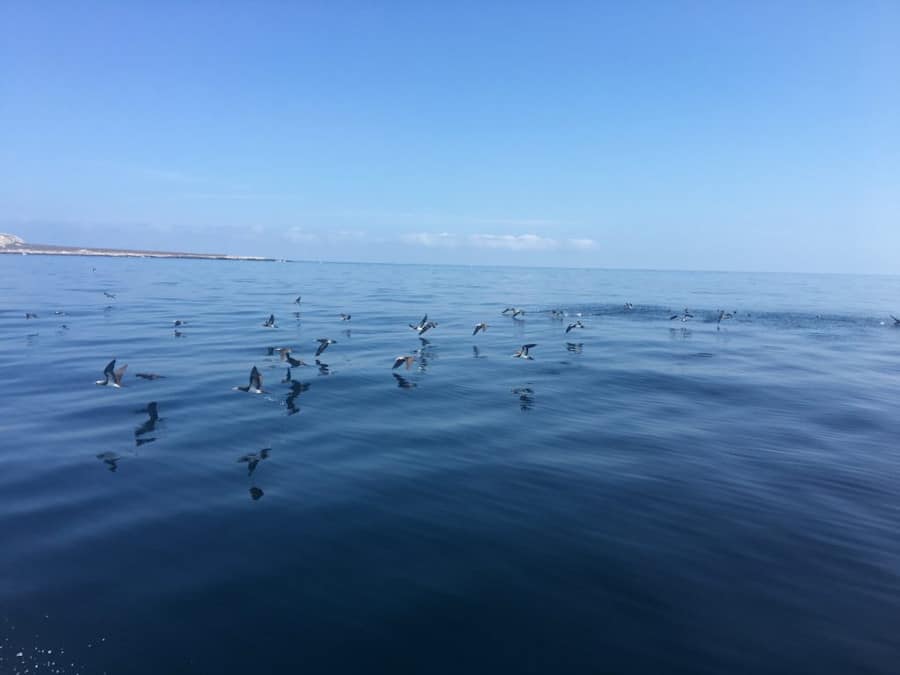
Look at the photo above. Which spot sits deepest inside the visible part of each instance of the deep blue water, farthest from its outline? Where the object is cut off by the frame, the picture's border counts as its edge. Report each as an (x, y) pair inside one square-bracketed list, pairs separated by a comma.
[(659, 497)]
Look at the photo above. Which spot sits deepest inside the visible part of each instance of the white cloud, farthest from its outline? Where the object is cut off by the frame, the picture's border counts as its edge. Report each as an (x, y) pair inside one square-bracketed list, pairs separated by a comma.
[(507, 242), (581, 244), (296, 235), (513, 242)]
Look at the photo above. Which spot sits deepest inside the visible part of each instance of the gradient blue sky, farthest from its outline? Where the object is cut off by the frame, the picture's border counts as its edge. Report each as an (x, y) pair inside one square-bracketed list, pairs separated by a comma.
[(686, 135)]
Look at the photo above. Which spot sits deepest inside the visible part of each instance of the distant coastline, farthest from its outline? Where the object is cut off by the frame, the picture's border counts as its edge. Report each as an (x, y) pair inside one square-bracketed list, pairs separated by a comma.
[(12, 245)]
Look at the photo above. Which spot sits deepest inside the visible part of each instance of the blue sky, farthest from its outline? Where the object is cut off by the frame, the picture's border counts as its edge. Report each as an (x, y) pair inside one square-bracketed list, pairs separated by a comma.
[(685, 135)]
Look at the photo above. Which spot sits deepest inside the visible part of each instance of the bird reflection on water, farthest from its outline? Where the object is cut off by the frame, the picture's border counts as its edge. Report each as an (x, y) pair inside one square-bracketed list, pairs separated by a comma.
[(402, 382), (148, 426), (253, 459), (526, 398), (297, 388)]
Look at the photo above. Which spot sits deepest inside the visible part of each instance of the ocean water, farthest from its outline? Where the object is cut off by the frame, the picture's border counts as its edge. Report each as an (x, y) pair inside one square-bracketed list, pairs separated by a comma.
[(646, 495)]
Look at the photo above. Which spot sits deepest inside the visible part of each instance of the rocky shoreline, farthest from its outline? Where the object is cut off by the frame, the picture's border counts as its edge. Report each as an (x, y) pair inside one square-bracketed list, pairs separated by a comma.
[(13, 245)]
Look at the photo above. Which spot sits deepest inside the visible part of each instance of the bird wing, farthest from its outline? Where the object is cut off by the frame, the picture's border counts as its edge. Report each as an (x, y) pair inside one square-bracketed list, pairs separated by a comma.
[(118, 374), (398, 362), (896, 320), (110, 367), (255, 379), (322, 346)]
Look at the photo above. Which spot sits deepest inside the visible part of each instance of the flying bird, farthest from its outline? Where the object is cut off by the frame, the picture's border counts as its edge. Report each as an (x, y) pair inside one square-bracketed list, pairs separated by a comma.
[(345, 317), (270, 322), (573, 326), (255, 386), (523, 352), (179, 322), (286, 356), (514, 311), (323, 344), (109, 295), (401, 360), (684, 316), (722, 316), (480, 327), (111, 376), (896, 320), (30, 315), (297, 300)]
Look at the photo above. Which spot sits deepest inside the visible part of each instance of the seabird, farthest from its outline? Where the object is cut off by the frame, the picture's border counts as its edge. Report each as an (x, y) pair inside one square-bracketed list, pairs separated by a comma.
[(179, 322), (523, 352), (286, 356), (109, 295), (149, 376), (896, 320), (270, 322), (297, 301), (345, 317), (30, 315), (401, 360), (323, 344), (514, 311), (254, 458), (684, 316), (722, 315), (111, 376), (480, 327), (572, 326), (628, 307), (256, 493), (255, 386), (424, 325)]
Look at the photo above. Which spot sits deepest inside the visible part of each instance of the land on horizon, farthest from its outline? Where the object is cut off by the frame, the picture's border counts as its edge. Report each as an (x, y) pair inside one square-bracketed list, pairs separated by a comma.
[(13, 245)]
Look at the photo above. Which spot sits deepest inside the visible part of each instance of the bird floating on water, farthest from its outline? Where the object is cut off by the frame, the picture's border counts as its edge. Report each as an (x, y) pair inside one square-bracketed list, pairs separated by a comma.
[(573, 326), (523, 352), (111, 376), (255, 386), (324, 344), (401, 360), (480, 327)]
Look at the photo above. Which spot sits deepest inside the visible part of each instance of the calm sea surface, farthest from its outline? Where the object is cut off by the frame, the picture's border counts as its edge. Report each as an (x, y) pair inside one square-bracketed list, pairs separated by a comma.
[(654, 496)]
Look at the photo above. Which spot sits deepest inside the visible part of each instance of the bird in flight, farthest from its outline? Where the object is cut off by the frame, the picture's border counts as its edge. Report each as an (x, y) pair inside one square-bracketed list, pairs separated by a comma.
[(683, 316), (255, 386), (254, 458), (523, 352), (345, 317), (323, 344), (480, 327), (270, 322), (111, 376), (401, 360), (573, 326)]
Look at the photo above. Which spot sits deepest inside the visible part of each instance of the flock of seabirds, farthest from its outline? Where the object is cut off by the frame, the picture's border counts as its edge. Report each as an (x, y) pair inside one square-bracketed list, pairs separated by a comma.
[(113, 377)]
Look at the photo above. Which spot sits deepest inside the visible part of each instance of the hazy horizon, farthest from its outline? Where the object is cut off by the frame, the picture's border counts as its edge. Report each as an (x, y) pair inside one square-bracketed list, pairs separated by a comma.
[(685, 136)]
